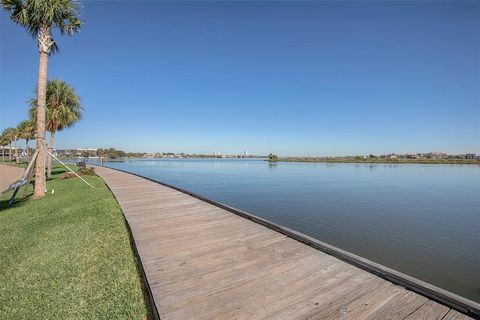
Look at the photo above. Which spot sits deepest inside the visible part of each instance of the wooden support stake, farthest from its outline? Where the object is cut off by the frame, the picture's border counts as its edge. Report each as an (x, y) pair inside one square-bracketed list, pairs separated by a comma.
[(70, 169)]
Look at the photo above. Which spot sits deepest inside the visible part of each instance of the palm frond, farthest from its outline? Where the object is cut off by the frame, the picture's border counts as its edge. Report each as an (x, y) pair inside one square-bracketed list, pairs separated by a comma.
[(36, 14), (63, 106)]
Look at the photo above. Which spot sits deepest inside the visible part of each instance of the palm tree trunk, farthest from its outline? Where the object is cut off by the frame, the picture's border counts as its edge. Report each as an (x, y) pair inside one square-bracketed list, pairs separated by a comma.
[(10, 152), (16, 151), (49, 157), (40, 186), (26, 150), (3, 153)]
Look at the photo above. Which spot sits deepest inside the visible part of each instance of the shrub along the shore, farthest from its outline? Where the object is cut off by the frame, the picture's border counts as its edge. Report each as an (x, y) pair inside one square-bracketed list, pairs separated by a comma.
[(68, 255)]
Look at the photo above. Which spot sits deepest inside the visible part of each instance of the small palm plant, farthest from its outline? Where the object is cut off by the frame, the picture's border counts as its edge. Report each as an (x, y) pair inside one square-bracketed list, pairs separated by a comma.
[(39, 18), (63, 110)]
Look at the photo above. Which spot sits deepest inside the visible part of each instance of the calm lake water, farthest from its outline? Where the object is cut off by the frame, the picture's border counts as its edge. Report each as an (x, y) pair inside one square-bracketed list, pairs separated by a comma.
[(423, 220)]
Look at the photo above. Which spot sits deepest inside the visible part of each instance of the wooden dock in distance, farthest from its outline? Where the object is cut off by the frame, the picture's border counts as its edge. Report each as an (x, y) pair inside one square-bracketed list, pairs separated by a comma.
[(202, 261)]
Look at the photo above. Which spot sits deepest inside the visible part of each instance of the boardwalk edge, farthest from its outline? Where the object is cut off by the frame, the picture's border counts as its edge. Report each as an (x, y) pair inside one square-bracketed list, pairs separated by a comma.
[(151, 300)]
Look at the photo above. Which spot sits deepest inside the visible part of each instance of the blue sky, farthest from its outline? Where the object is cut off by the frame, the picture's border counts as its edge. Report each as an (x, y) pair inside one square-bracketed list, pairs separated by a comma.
[(292, 78)]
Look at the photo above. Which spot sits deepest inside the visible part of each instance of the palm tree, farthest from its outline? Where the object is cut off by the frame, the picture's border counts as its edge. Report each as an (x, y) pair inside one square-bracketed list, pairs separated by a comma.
[(39, 18), (27, 132), (8, 134), (4, 140), (63, 110)]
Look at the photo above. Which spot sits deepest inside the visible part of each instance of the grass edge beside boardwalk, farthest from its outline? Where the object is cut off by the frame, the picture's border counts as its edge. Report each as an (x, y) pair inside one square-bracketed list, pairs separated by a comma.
[(69, 255)]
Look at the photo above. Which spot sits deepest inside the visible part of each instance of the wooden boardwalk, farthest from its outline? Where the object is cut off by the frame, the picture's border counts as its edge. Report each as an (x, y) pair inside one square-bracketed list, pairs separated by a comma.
[(204, 262)]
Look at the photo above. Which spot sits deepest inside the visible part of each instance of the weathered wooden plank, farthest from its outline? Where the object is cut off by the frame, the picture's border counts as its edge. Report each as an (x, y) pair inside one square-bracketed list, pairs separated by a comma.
[(400, 308), (352, 299), (323, 298), (364, 306), (303, 293), (455, 315), (430, 310)]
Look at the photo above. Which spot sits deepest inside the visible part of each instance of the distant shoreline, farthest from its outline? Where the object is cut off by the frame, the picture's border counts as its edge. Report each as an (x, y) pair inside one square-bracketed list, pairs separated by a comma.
[(315, 160), (380, 161)]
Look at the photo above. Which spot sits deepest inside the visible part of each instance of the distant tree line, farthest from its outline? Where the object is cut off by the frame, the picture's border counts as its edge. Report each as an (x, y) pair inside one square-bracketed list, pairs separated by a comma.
[(113, 153)]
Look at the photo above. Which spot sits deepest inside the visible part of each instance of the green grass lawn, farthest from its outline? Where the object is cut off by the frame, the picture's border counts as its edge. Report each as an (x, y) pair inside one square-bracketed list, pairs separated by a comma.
[(68, 256)]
